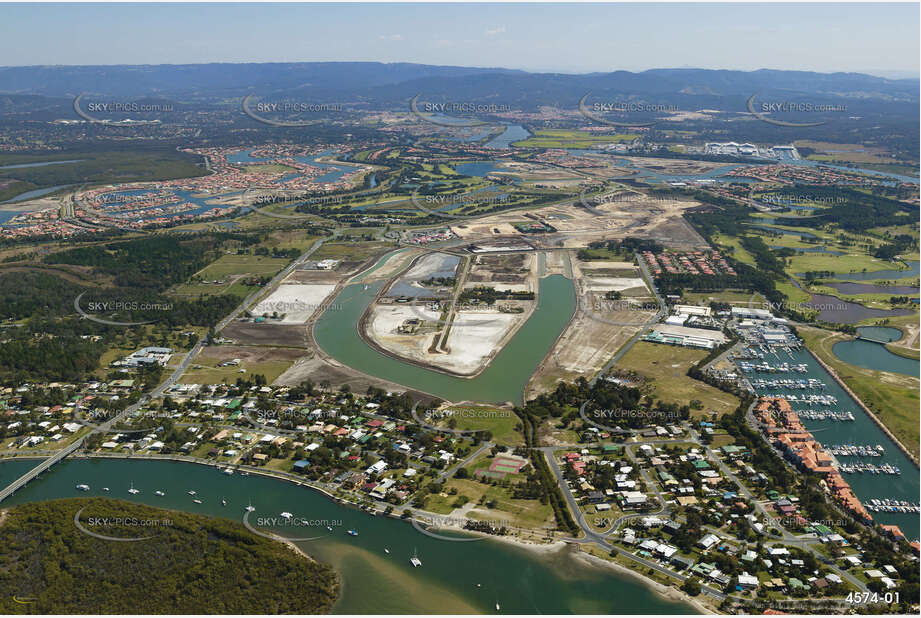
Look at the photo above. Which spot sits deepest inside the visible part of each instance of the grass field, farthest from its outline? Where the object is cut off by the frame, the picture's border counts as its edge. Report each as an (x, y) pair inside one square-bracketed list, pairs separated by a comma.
[(732, 297), (668, 366), (904, 352), (350, 250), (735, 249), (242, 265), (893, 397), (499, 421), (838, 263), (519, 512), (210, 373)]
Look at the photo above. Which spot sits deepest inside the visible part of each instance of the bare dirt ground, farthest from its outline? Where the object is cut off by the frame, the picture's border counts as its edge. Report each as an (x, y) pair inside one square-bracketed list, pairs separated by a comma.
[(297, 302), (475, 336), (319, 276), (680, 167), (392, 266), (597, 330), (323, 370), (266, 334), (640, 216), (222, 353)]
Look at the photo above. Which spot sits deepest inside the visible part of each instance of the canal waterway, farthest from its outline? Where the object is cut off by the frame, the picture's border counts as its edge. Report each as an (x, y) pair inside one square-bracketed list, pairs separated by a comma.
[(503, 380), (862, 431), (373, 582)]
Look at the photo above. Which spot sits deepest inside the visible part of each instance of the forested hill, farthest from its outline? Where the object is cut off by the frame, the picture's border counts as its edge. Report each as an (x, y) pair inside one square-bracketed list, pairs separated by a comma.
[(191, 564), (385, 82)]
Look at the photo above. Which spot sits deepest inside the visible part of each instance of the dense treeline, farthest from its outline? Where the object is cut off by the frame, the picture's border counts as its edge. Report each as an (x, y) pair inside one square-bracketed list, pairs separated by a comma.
[(109, 165), (747, 278), (154, 262), (489, 296), (28, 357), (856, 211), (191, 565), (765, 258)]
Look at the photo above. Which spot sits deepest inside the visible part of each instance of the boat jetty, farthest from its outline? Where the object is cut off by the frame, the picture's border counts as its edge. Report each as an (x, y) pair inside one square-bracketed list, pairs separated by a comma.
[(785, 431)]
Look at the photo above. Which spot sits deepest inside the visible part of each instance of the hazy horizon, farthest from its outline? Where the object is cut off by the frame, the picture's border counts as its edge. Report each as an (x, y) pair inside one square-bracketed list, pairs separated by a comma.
[(529, 37)]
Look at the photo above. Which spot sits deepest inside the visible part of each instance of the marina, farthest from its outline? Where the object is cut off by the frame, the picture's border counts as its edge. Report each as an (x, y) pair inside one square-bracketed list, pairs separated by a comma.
[(837, 419)]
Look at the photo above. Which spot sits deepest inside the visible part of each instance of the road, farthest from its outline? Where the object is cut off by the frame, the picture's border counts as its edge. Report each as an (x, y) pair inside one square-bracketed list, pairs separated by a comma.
[(599, 540), (106, 426)]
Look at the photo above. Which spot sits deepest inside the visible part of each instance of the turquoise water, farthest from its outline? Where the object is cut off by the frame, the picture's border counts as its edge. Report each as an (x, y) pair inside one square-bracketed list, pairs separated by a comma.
[(862, 431), (503, 380), (880, 333), (870, 355), (374, 582)]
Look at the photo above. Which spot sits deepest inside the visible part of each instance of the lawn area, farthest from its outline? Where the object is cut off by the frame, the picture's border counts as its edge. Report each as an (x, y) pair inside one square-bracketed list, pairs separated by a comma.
[(351, 250), (838, 263), (499, 421), (206, 371), (733, 248), (722, 439), (600, 520), (795, 296), (519, 512), (289, 239), (241, 265), (667, 366), (893, 397)]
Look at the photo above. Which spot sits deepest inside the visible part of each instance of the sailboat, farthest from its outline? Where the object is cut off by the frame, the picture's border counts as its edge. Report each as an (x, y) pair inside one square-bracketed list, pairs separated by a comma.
[(159, 493), (497, 606), (386, 551), (132, 490), (415, 559), (223, 501)]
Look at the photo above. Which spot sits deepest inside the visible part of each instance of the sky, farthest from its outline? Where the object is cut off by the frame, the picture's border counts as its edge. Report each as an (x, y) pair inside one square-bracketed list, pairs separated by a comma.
[(876, 38)]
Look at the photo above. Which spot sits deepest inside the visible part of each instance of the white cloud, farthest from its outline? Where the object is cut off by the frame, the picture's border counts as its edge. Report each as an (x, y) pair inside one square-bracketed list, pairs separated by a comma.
[(495, 31), (390, 37)]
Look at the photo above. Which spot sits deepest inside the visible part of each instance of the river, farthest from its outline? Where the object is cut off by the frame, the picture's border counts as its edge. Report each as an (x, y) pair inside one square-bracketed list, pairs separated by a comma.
[(374, 582), (28, 195), (503, 380)]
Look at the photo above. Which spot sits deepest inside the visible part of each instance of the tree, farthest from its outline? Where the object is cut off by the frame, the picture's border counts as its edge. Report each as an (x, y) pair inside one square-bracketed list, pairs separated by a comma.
[(691, 586)]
